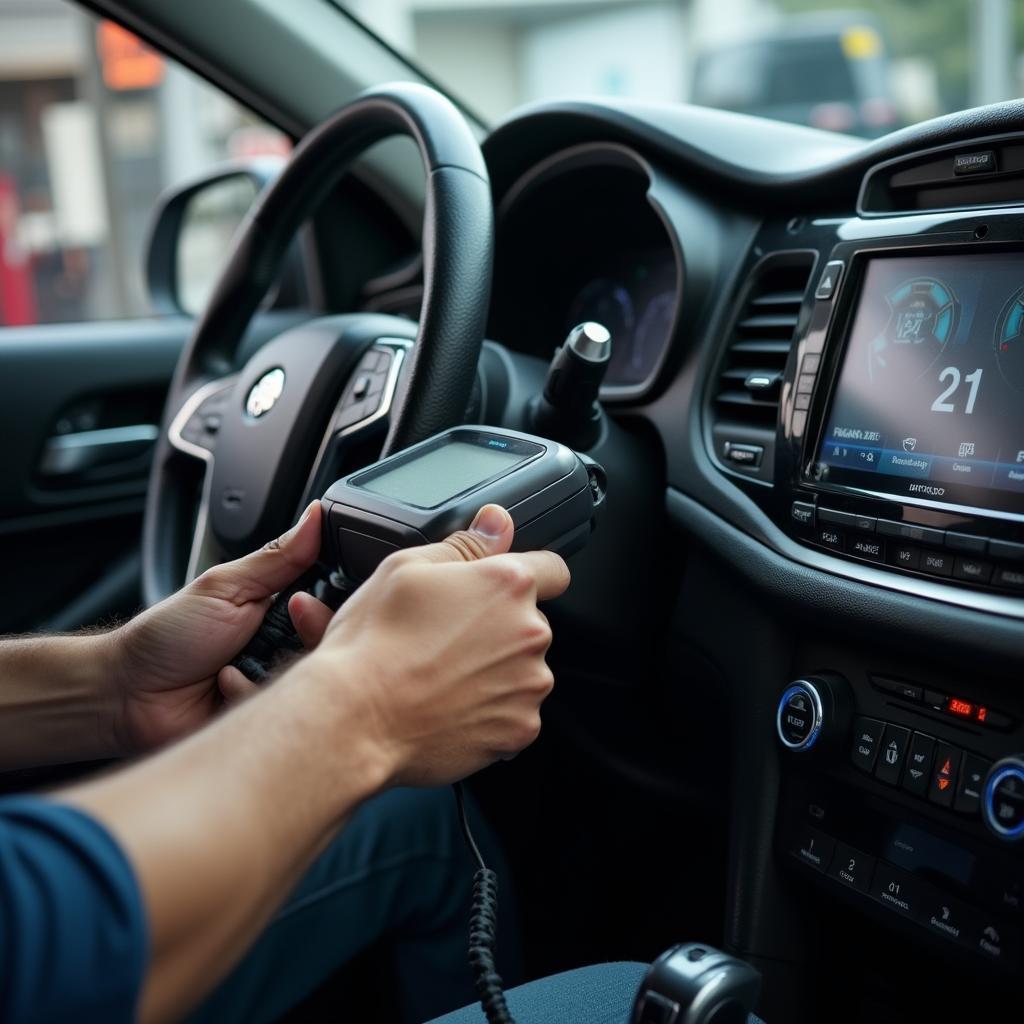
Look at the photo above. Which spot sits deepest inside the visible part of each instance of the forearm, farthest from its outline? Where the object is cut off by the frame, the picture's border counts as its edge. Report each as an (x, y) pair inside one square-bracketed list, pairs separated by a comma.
[(221, 826), (56, 700)]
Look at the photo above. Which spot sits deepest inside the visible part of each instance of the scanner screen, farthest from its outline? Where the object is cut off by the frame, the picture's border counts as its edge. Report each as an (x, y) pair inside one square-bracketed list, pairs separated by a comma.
[(440, 474)]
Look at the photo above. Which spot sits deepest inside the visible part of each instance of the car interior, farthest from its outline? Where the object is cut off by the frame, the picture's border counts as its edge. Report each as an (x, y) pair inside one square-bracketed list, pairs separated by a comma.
[(788, 719)]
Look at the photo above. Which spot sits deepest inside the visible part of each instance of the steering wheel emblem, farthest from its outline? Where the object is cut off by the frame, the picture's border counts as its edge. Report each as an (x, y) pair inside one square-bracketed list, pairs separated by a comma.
[(265, 393)]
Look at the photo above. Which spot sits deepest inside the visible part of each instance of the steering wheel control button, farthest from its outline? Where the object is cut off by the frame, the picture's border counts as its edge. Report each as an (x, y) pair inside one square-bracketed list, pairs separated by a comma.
[(917, 775), (799, 716), (657, 1009), (969, 792), (892, 754), (830, 278), (896, 889), (944, 775), (867, 737), (813, 848), (852, 867), (1003, 800)]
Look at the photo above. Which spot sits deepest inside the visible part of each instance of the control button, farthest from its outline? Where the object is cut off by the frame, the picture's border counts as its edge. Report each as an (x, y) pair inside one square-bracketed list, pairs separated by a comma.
[(972, 784), (829, 537), (810, 362), (935, 699), (892, 754), (937, 562), (852, 867), (743, 454), (813, 848), (799, 715), (829, 279), (966, 542), (867, 547), (802, 512), (945, 771), (802, 402), (1003, 801), (907, 531), (972, 569), (1012, 579), (994, 938), (944, 915), (919, 765), (353, 414), (805, 384), (1006, 550), (361, 386), (897, 687), (847, 519), (1004, 890), (374, 359), (867, 735), (906, 556), (897, 890)]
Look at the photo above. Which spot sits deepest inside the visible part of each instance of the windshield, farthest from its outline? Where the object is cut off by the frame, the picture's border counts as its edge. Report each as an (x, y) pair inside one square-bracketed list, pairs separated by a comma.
[(862, 68)]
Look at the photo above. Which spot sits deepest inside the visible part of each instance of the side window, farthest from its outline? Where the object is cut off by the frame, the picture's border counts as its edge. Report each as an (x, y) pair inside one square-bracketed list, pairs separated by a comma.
[(94, 125)]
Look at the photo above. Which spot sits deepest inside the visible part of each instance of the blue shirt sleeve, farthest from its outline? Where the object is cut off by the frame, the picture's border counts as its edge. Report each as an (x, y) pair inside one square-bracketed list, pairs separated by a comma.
[(73, 937)]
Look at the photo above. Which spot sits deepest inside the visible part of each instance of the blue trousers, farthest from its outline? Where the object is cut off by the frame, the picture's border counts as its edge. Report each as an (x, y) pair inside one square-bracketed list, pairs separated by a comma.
[(399, 874)]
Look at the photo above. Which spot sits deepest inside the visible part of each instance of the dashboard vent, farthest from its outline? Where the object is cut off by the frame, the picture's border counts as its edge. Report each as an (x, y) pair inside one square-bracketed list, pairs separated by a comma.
[(755, 357)]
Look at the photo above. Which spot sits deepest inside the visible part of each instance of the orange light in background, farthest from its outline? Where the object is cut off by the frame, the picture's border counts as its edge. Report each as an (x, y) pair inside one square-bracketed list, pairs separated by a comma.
[(960, 707), (126, 61)]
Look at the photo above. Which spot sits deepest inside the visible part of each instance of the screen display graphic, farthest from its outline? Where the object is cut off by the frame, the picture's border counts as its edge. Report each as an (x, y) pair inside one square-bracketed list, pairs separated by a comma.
[(439, 474), (929, 402)]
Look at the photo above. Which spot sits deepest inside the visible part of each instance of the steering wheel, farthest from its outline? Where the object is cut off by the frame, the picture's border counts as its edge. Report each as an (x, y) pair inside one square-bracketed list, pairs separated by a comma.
[(269, 435)]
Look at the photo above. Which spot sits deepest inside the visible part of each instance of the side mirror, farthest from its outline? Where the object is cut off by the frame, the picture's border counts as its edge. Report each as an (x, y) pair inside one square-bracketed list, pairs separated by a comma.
[(192, 234)]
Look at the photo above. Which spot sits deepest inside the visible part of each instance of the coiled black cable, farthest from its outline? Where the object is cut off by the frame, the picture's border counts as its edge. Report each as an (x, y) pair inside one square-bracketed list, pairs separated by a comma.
[(483, 926)]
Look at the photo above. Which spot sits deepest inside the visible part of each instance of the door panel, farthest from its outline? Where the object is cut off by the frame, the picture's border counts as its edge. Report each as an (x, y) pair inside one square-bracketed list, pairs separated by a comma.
[(78, 404)]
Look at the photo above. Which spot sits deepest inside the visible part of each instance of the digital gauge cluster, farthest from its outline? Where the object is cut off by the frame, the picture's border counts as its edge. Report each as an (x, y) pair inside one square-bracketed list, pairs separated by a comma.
[(636, 300), (929, 400)]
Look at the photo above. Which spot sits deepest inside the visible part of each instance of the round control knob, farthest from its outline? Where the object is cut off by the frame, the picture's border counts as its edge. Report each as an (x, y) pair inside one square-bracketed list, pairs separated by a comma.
[(1002, 806), (800, 715)]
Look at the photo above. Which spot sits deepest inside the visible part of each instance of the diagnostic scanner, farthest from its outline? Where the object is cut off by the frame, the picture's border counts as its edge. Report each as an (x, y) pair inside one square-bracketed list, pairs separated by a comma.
[(426, 492)]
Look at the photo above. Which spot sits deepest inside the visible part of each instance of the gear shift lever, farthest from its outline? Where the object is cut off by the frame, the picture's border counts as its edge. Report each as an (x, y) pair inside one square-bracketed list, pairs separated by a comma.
[(696, 984), (568, 409)]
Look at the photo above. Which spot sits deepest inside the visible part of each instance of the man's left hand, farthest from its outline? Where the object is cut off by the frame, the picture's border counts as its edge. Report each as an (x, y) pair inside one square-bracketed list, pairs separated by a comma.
[(171, 674)]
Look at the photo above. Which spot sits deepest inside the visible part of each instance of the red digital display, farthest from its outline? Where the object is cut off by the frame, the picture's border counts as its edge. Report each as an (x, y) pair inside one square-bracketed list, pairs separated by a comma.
[(960, 707), (982, 714)]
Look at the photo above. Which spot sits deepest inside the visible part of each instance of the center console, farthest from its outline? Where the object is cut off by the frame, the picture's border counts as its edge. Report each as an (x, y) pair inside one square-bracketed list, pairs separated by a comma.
[(903, 420)]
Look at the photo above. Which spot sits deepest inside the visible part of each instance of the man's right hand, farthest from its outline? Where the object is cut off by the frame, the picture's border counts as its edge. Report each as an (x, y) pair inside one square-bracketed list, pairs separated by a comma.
[(444, 645)]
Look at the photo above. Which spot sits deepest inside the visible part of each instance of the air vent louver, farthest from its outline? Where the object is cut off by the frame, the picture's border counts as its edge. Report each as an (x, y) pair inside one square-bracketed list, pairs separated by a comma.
[(759, 342)]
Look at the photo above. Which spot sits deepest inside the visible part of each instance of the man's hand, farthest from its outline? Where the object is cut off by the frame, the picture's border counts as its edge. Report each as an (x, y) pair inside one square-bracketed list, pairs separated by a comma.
[(168, 658), (447, 645)]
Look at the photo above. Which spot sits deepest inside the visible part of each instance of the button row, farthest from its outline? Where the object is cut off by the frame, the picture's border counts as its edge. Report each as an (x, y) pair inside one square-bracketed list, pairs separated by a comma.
[(907, 895), (902, 555), (970, 543), (955, 707), (923, 766), (363, 396)]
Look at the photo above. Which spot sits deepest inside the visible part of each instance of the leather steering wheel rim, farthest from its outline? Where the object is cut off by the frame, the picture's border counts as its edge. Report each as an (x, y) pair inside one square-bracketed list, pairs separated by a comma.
[(458, 244)]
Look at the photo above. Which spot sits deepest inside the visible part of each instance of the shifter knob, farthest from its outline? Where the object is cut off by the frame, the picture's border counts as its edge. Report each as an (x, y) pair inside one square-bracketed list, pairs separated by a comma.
[(568, 410), (696, 984)]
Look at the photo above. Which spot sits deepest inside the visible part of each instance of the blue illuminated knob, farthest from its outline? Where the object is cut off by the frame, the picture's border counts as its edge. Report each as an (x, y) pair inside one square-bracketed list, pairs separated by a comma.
[(1003, 803), (800, 715)]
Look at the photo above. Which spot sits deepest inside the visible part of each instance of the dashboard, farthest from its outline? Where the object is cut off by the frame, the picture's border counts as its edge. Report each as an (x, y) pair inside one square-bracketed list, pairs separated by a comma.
[(826, 338)]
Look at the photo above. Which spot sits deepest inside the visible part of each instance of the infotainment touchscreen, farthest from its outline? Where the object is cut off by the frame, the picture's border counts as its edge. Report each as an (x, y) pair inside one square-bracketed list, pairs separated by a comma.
[(929, 398)]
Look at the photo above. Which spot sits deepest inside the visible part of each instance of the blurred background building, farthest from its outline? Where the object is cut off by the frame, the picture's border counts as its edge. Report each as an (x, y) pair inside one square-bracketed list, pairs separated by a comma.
[(93, 125)]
